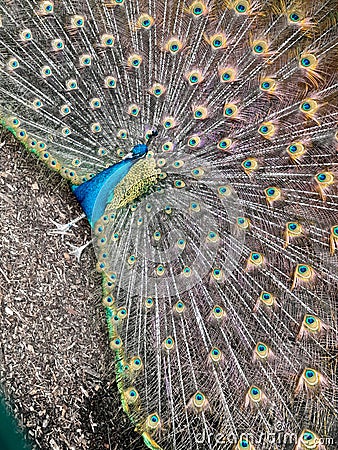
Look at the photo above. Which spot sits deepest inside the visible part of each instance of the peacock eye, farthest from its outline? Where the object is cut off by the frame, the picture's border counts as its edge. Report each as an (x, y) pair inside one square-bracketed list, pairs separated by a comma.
[(96, 127), (308, 436), (224, 191), (78, 21), (37, 103), (199, 399), (230, 110), (216, 354), (169, 343), (254, 391), (266, 296), (46, 71), (272, 193), (160, 270), (135, 61), (153, 421), (197, 9), (260, 47), (21, 134), (167, 146), (194, 206), (26, 35), (131, 395), (145, 21), (173, 46), (227, 74), (71, 85), (46, 7), (310, 320), (309, 374), (308, 61), (95, 103), (157, 90), (218, 41), (122, 134), (194, 141), (149, 302), (133, 110), (168, 122), (242, 222), (242, 7), (178, 164), (217, 312), (292, 226), (85, 60), (268, 85), (116, 343), (107, 40), (200, 113), (136, 363), (66, 131), (267, 130), (325, 178), (309, 106), (58, 44), (249, 165), (256, 258), (197, 173), (262, 350), (295, 150), (224, 144), (179, 184), (304, 271), (294, 17), (194, 77), (110, 82)]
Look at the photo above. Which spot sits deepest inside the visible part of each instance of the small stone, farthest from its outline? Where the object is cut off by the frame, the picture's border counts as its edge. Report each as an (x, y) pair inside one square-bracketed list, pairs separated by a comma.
[(9, 311)]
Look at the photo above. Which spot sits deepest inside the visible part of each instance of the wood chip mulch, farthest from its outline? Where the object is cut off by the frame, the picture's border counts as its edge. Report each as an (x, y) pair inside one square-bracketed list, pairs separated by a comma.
[(55, 366)]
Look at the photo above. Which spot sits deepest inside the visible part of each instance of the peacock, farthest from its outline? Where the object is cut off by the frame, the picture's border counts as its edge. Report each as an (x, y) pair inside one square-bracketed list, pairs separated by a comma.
[(200, 139)]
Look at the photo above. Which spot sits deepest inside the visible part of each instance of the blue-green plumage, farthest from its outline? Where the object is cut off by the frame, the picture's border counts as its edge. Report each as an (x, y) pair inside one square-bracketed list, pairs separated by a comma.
[(94, 194)]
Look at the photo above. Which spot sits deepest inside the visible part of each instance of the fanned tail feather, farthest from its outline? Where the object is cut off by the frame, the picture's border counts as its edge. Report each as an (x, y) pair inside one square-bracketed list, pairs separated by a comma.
[(218, 249)]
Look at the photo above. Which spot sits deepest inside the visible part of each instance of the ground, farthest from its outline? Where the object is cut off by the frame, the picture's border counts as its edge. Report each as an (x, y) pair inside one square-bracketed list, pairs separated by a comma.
[(55, 366)]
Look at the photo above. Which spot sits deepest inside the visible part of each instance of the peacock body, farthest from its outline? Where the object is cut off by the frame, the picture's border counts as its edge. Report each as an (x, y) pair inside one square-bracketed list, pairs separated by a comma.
[(200, 139)]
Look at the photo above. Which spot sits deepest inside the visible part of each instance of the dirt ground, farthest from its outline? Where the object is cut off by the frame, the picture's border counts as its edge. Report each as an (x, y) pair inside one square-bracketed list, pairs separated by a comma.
[(55, 365)]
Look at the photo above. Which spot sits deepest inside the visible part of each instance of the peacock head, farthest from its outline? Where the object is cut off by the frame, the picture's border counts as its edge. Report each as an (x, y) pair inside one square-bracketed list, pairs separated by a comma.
[(140, 150)]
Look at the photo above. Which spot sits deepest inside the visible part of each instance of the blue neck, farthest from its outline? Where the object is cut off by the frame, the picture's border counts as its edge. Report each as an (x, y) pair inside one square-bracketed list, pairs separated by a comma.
[(94, 194)]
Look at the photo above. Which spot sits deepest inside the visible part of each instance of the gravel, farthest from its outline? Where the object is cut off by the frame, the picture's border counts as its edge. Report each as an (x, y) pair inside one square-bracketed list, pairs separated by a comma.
[(55, 366)]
